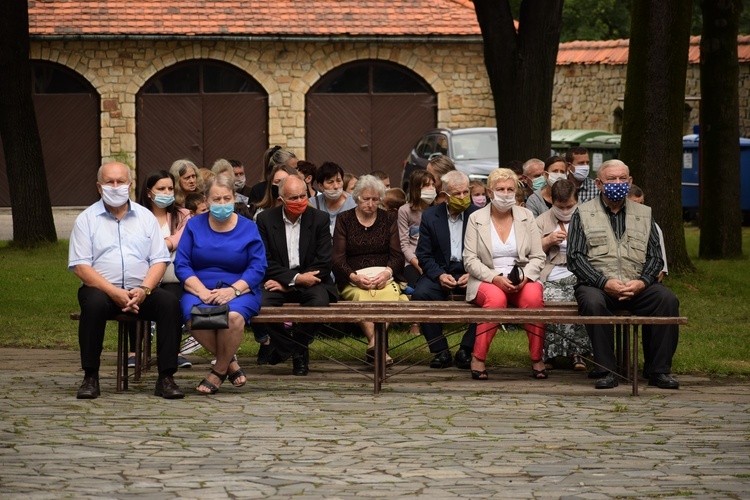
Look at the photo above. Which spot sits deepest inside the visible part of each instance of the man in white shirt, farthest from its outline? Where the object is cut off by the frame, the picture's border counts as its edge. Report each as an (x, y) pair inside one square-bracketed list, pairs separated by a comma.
[(118, 252)]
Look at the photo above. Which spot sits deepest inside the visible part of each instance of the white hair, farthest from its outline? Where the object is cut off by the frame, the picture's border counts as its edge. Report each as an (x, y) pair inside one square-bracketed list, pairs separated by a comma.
[(453, 178), (369, 182), (612, 163), (528, 163)]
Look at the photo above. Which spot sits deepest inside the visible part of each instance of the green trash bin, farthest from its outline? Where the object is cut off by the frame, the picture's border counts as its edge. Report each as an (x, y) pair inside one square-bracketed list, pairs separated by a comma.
[(564, 139), (602, 148)]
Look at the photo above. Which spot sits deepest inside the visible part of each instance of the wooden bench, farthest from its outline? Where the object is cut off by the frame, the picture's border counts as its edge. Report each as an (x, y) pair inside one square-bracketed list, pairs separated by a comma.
[(143, 359), (380, 313)]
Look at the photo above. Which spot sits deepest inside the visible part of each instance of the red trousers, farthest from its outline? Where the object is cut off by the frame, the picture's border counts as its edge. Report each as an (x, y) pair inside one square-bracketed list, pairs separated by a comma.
[(530, 297)]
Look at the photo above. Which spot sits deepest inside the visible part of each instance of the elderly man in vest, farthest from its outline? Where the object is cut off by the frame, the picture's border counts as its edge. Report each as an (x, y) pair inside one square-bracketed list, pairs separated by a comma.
[(613, 249)]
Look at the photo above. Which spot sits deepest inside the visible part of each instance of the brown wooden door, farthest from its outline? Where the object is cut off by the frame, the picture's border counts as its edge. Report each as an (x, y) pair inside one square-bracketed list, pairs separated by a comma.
[(69, 130), (339, 130)]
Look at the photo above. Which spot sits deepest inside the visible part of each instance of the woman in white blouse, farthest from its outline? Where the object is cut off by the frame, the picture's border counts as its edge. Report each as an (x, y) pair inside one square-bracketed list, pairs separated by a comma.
[(498, 237)]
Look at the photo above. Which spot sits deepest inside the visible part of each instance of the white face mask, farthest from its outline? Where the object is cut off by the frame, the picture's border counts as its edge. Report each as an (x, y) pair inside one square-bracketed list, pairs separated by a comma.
[(428, 195), (239, 182), (563, 215), (333, 194), (581, 172), (116, 196), (555, 177), (504, 202)]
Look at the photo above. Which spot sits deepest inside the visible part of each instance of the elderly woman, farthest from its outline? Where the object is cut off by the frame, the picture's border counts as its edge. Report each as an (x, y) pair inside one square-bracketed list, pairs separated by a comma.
[(555, 169), (187, 180), (499, 237), (562, 340), (367, 253), (221, 260), (332, 199)]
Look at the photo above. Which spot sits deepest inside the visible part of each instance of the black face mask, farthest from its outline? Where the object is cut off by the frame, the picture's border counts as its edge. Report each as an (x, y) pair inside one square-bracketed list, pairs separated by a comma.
[(274, 192)]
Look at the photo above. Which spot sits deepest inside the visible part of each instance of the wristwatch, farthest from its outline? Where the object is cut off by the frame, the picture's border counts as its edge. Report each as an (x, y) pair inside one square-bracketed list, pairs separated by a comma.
[(145, 289), (237, 293)]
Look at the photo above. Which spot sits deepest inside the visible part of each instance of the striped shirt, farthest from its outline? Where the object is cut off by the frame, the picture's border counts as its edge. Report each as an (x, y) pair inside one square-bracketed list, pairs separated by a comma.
[(579, 264)]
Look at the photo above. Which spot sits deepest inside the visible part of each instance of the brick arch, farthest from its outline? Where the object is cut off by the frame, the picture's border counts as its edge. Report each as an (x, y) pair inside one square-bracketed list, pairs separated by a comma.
[(80, 68)]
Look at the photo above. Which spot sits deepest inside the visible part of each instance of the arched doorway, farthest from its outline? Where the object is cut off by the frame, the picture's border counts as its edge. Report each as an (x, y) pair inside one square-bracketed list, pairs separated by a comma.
[(367, 115), (201, 110), (67, 115)]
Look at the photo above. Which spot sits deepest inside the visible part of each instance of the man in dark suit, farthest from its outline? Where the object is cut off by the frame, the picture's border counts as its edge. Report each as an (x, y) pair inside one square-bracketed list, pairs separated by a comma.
[(439, 252), (298, 250)]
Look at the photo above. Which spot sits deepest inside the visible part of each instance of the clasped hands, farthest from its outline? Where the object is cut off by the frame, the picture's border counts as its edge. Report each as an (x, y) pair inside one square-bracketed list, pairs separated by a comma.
[(623, 291), (377, 282), (449, 282), (506, 286), (304, 280)]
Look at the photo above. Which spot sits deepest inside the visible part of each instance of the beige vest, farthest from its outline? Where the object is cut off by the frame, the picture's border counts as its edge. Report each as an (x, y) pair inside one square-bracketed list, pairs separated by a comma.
[(616, 259)]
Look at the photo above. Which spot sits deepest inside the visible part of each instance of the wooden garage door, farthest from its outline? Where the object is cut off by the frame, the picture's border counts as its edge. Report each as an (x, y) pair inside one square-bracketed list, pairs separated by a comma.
[(366, 116), (67, 113), (201, 111)]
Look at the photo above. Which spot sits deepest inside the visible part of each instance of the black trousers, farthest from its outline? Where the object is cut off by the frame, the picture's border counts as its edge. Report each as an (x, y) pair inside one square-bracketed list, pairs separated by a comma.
[(160, 306), (427, 289), (659, 341), (293, 342)]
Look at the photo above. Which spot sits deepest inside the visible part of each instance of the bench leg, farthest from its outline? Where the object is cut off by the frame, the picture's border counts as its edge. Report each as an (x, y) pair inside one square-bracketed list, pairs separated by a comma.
[(122, 356), (634, 361), (380, 350)]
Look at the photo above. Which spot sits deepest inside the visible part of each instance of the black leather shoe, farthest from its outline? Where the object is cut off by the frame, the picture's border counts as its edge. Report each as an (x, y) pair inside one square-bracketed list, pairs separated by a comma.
[(594, 374), (89, 388), (442, 360), (463, 358), (166, 388), (300, 364), (663, 381), (264, 354), (609, 381)]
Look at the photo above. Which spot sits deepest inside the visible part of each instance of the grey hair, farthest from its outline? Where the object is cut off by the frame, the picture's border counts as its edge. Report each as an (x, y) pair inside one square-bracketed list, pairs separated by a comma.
[(528, 163), (612, 163), (453, 178), (369, 182), (221, 181), (220, 166), (99, 172)]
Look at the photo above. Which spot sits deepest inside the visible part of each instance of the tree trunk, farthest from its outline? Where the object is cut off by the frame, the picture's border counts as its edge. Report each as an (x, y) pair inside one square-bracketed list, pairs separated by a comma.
[(27, 181), (653, 110), (721, 213), (521, 69)]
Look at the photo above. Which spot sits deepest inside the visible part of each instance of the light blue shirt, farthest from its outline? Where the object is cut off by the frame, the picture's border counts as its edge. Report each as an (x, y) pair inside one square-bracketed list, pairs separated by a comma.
[(456, 229), (319, 202), (120, 251)]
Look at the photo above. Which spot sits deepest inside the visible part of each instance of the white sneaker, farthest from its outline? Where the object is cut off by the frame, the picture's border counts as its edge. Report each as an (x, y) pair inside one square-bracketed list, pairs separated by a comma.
[(189, 345)]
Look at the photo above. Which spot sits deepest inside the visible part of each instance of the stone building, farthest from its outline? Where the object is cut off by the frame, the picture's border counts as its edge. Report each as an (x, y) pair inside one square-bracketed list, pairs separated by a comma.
[(149, 82)]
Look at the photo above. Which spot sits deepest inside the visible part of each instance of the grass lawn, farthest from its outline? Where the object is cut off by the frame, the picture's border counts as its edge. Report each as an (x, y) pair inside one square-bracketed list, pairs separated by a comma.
[(38, 293)]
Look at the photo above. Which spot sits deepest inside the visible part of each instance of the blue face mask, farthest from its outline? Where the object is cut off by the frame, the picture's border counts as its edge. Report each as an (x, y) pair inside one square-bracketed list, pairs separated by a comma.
[(538, 183), (163, 200), (616, 191), (222, 212)]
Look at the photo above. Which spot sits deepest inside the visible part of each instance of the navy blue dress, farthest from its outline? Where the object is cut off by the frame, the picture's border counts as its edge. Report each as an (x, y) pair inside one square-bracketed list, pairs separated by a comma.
[(212, 256)]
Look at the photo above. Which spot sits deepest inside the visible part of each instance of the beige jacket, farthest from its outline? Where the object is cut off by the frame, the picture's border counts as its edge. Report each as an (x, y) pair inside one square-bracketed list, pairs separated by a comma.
[(478, 247), (548, 224)]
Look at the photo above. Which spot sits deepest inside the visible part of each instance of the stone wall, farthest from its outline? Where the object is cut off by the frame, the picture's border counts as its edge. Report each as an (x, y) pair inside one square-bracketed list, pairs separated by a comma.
[(584, 96)]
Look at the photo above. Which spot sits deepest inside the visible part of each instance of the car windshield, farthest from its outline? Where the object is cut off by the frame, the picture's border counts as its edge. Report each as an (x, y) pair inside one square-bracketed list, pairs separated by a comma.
[(475, 146)]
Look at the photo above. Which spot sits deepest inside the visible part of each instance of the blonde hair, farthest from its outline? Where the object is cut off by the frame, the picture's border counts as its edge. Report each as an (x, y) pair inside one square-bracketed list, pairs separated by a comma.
[(501, 174)]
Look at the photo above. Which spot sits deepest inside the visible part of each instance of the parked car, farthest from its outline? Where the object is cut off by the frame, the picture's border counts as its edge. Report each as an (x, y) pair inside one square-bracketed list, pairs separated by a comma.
[(473, 150)]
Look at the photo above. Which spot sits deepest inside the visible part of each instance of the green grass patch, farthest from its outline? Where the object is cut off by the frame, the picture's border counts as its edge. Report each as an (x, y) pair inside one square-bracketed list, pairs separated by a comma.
[(38, 293)]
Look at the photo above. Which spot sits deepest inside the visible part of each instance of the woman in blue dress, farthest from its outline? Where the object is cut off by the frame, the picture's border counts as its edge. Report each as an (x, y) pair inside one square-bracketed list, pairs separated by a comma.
[(221, 260)]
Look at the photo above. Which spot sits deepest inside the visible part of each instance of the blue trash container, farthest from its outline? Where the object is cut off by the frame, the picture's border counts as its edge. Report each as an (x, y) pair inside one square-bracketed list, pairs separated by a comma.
[(690, 175)]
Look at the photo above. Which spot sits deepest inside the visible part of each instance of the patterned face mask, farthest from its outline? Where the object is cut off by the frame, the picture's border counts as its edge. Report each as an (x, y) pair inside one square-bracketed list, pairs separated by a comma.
[(616, 191)]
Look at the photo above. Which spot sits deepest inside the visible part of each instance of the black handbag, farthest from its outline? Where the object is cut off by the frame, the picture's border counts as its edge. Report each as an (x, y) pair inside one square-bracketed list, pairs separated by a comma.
[(209, 317), (515, 276)]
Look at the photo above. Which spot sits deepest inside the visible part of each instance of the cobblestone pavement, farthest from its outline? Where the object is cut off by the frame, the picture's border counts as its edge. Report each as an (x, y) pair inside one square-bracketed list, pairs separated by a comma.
[(432, 433)]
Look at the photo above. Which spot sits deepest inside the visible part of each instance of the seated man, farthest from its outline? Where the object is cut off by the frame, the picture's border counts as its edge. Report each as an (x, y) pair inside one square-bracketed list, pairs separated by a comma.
[(298, 250), (613, 249), (440, 255), (118, 251)]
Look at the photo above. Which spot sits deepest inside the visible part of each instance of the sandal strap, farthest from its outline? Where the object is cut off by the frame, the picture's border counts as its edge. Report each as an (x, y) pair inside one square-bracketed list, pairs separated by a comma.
[(234, 376), (220, 376), (209, 385)]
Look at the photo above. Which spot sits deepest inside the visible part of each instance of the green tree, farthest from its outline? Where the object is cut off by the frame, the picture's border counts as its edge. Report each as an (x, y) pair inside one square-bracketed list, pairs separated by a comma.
[(595, 20), (721, 215), (653, 108), (521, 69), (27, 181)]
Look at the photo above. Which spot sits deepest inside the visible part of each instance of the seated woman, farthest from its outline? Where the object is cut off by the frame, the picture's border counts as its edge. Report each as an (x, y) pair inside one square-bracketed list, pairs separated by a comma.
[(499, 237), (333, 199), (271, 196), (570, 341), (221, 260), (187, 180), (422, 194), (555, 169), (367, 237), (158, 196)]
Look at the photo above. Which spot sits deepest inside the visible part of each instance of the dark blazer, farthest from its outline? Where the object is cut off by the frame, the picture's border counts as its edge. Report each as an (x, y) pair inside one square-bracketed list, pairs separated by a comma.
[(434, 245), (315, 247)]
